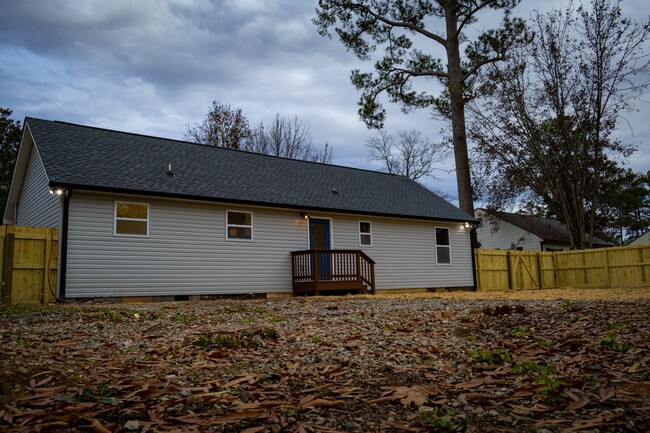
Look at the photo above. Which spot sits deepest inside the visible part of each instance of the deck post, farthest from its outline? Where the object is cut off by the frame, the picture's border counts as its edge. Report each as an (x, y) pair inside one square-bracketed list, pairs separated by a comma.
[(316, 262), (358, 269)]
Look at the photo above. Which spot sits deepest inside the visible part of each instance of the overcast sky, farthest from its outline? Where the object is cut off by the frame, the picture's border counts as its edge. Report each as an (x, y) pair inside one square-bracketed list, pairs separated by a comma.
[(154, 66)]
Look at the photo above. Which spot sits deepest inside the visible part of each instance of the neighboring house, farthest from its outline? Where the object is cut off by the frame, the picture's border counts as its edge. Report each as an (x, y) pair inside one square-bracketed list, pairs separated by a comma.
[(509, 231), (145, 216), (644, 239)]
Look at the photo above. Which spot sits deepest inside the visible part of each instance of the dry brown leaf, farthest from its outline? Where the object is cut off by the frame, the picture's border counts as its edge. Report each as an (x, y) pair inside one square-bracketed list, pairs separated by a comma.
[(253, 429), (525, 410), (191, 418), (606, 394), (587, 424), (98, 427), (471, 384), (417, 395), (54, 424), (321, 402), (577, 404), (234, 382), (238, 416)]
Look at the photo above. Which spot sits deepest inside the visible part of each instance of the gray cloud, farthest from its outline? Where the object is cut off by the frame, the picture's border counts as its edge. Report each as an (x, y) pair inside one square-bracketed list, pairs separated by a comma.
[(152, 67)]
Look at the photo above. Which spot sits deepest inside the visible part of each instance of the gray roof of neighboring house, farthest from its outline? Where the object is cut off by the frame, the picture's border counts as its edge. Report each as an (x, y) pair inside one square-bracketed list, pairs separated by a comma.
[(546, 228), (77, 156)]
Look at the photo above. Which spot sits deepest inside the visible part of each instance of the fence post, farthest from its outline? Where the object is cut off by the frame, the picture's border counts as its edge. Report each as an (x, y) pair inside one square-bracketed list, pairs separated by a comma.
[(644, 274), (511, 275), (477, 265), (3, 235), (607, 270), (8, 268), (538, 255)]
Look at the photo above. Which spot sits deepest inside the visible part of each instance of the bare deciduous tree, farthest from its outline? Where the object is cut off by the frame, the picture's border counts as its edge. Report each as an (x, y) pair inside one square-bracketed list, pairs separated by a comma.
[(546, 130), (225, 126), (288, 138), (409, 154)]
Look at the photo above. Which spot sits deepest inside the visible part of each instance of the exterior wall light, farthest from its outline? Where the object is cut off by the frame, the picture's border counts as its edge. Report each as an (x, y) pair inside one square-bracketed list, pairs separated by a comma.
[(57, 191), (305, 215)]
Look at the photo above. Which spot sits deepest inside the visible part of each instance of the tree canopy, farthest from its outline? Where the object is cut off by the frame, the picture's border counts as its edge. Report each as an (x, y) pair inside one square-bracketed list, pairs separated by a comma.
[(401, 29), (10, 132), (226, 126), (223, 126), (546, 129)]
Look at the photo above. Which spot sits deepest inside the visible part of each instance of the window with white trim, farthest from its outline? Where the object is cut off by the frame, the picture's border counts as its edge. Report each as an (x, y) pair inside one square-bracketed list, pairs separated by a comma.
[(443, 247), (239, 225), (131, 219), (365, 233)]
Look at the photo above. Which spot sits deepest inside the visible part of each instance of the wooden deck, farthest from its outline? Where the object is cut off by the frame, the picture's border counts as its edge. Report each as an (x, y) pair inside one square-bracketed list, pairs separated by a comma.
[(321, 271)]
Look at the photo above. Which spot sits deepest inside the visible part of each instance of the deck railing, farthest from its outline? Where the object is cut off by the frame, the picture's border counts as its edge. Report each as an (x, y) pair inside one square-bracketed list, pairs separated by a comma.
[(332, 266)]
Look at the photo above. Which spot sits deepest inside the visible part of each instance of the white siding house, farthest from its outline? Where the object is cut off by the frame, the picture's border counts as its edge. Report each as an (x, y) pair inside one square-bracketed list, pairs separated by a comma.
[(510, 231), (498, 234), (128, 228), (644, 239), (187, 248)]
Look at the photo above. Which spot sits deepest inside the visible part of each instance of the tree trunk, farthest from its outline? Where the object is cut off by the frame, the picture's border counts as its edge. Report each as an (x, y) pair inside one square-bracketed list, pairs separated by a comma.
[(459, 135)]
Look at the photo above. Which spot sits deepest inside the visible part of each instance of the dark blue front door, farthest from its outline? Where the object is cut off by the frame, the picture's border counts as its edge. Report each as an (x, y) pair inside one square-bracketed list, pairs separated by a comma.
[(319, 239), (319, 234)]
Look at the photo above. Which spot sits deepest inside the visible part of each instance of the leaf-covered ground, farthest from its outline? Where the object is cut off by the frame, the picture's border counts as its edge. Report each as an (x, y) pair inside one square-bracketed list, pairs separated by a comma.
[(344, 364)]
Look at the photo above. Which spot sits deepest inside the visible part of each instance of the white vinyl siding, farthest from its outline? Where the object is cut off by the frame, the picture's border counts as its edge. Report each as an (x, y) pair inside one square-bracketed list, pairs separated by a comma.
[(186, 252), (404, 251), (506, 237), (644, 239), (36, 206)]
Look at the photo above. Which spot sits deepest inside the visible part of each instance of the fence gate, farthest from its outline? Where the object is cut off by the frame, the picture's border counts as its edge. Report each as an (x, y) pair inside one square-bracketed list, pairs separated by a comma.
[(29, 260)]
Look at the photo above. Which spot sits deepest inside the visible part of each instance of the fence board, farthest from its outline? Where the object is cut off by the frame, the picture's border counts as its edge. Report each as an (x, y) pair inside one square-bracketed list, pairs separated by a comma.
[(602, 267), (29, 257), (493, 266)]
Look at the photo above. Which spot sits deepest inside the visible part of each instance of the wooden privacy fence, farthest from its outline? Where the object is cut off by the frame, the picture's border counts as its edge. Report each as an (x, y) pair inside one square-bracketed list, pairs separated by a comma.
[(602, 267), (29, 258)]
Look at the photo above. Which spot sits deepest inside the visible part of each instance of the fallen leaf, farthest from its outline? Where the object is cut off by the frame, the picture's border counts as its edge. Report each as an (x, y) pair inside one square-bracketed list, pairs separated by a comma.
[(471, 384), (253, 429), (239, 380), (575, 405), (606, 394), (238, 416), (98, 427), (322, 402)]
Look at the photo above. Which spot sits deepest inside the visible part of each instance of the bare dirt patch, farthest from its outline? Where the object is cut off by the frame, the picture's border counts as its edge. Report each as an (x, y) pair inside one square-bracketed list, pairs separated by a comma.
[(467, 362)]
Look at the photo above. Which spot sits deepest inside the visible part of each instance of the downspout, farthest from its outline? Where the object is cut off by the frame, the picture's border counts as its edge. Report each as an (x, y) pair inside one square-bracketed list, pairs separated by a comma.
[(63, 239), (473, 236)]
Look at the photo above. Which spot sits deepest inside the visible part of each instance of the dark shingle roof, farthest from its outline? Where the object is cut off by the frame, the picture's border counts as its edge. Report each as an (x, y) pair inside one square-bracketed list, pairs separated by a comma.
[(546, 228), (78, 156)]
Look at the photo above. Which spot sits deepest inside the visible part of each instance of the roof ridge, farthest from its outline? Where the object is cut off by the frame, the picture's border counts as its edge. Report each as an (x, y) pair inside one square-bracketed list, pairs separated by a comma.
[(97, 128)]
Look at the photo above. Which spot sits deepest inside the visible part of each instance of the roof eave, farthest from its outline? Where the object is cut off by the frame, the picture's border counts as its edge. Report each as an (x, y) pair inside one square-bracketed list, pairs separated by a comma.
[(72, 186)]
